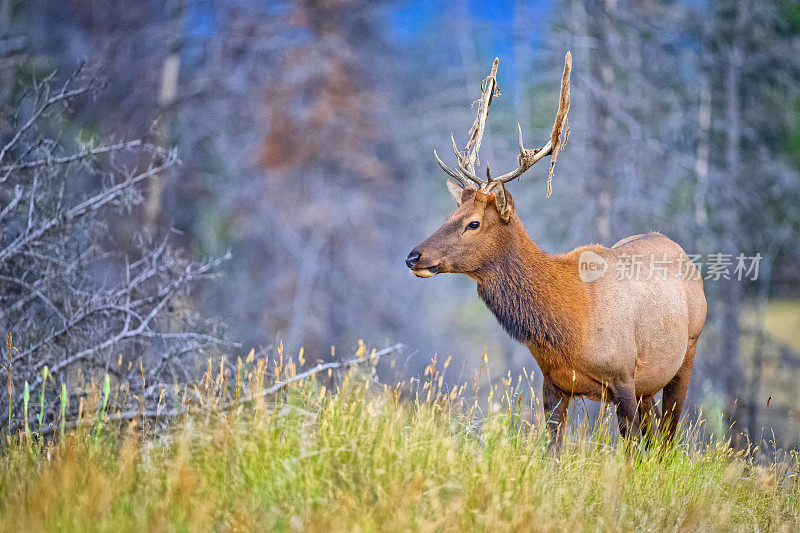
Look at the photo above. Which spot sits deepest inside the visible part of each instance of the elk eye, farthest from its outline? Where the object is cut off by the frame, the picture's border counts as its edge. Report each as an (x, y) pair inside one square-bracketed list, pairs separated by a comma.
[(473, 225)]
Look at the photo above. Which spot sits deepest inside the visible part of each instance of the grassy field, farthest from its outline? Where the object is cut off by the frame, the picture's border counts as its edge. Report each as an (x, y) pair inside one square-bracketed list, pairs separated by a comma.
[(782, 322), (362, 456)]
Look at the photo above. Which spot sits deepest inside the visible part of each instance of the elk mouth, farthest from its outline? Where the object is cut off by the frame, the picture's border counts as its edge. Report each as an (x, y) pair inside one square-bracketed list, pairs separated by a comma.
[(425, 272)]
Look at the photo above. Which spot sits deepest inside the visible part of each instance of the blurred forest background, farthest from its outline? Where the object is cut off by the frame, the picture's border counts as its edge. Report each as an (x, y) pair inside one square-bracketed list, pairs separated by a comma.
[(305, 131)]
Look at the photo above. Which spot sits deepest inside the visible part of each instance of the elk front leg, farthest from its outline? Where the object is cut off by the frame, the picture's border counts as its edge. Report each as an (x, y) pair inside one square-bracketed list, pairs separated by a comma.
[(555, 410), (627, 410)]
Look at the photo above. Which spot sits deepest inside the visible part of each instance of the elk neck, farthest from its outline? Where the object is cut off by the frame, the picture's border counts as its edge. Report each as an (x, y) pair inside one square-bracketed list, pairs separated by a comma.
[(537, 297)]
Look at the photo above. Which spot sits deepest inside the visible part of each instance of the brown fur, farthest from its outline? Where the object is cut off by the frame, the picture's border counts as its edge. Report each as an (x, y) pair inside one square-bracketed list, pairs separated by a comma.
[(619, 340), (536, 297)]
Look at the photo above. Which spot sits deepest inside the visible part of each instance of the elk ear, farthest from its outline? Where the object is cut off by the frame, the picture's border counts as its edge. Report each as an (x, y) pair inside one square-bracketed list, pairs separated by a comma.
[(455, 191), (504, 203)]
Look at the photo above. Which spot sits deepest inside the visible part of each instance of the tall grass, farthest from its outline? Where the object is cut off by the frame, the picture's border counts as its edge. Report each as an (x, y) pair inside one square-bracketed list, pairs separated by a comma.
[(353, 454)]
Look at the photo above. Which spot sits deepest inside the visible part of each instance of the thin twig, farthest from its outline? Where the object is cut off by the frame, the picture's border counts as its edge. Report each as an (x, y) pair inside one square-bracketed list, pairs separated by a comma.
[(152, 413), (64, 94), (83, 154), (320, 368), (90, 205)]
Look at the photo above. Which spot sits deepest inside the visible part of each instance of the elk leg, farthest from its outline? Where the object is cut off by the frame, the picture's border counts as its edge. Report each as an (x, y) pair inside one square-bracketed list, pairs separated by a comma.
[(555, 410), (627, 409), (675, 394), (649, 419)]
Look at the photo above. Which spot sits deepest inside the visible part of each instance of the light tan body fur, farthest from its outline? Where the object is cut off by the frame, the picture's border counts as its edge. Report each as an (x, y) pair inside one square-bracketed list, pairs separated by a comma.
[(644, 326)]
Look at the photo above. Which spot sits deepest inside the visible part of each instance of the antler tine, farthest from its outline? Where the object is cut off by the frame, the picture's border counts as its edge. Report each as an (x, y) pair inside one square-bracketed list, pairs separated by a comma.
[(455, 149), (470, 176), (464, 166), (527, 158), (466, 162), (560, 123), (488, 88), (450, 172)]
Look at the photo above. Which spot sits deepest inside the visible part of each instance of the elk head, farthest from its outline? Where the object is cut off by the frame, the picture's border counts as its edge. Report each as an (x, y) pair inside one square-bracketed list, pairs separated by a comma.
[(476, 231)]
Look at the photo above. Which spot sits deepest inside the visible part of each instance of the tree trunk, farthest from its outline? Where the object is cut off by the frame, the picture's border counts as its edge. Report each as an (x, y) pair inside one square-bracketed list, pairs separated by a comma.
[(731, 290), (167, 94), (601, 70)]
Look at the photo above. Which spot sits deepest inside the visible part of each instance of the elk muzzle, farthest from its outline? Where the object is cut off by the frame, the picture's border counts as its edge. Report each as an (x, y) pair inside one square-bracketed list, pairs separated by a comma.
[(412, 262)]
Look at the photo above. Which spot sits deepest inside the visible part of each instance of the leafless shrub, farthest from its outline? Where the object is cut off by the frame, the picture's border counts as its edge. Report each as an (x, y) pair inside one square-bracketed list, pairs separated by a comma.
[(71, 303)]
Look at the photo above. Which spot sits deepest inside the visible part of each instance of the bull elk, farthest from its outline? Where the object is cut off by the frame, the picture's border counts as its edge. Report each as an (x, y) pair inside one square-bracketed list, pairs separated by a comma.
[(598, 336)]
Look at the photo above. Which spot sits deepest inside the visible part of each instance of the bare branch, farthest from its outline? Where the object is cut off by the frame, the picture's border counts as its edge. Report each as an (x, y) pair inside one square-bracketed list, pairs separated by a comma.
[(372, 358), (83, 154), (90, 205), (63, 315), (36, 292), (65, 94)]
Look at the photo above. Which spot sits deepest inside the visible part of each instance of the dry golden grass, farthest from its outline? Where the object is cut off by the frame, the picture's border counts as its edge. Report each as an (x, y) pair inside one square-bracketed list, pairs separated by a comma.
[(365, 457)]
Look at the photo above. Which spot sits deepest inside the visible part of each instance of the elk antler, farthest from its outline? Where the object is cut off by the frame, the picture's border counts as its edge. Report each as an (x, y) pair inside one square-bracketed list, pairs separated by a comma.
[(527, 157)]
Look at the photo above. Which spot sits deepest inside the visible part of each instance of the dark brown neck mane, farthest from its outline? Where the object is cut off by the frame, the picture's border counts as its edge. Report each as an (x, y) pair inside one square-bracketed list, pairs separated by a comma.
[(538, 298)]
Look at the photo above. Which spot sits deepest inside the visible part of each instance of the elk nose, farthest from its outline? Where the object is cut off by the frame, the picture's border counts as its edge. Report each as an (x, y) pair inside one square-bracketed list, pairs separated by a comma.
[(412, 259)]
